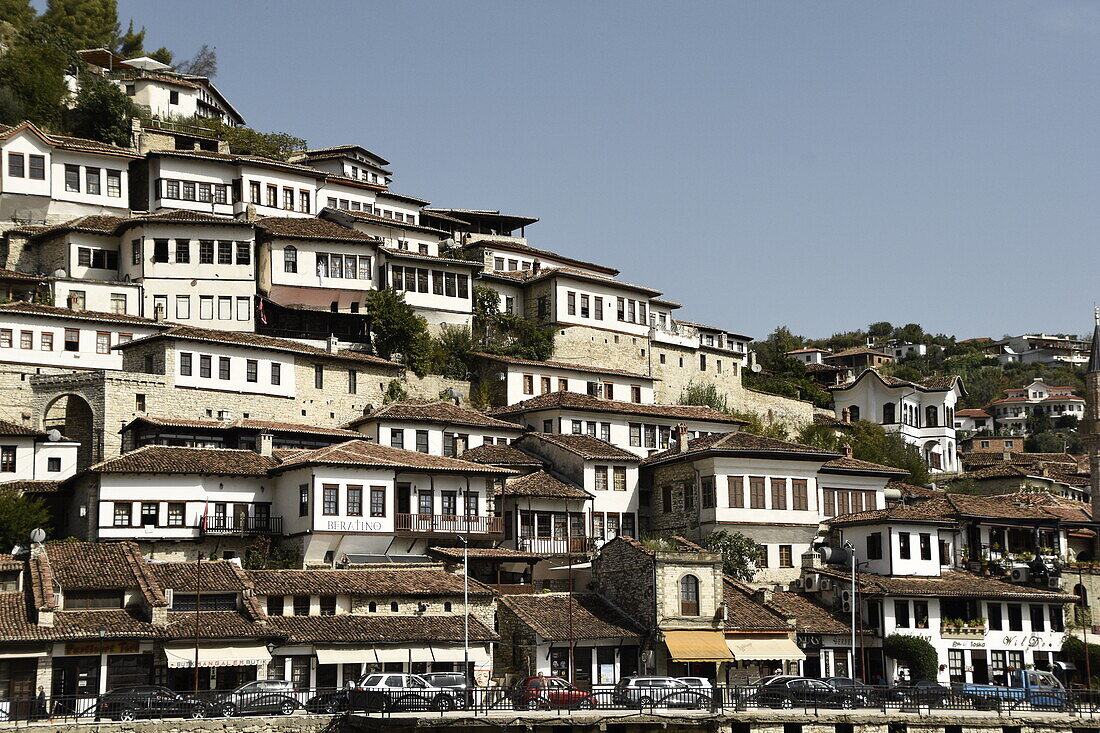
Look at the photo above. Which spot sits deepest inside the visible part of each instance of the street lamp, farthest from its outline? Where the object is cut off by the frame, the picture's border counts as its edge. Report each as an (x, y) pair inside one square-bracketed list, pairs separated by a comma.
[(102, 630), (465, 608), (852, 552)]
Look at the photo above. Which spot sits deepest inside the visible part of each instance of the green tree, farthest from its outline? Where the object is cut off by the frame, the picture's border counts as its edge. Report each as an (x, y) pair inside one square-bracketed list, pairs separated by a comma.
[(85, 23), (739, 553), (264, 554), (131, 44), (451, 352), (162, 55), (203, 63), (246, 141), (17, 13), (397, 330), (870, 442), (32, 79), (915, 653), (20, 514), (880, 331), (395, 392), (102, 112)]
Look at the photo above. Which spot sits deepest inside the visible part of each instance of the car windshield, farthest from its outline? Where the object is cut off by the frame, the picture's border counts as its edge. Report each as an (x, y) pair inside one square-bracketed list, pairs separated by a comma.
[(372, 680)]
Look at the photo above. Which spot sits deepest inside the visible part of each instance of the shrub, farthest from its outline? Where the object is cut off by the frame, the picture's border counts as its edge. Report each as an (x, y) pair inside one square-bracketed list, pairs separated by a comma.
[(915, 653)]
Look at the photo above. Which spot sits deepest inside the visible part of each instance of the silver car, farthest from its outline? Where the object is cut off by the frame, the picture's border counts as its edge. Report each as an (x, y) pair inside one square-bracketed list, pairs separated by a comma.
[(664, 692)]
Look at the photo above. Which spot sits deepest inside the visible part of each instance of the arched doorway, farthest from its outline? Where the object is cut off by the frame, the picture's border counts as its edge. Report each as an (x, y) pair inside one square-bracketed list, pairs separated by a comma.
[(73, 417)]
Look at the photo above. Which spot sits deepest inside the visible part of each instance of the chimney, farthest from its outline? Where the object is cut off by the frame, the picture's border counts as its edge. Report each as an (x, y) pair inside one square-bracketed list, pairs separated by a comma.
[(158, 313), (332, 345), (264, 444), (847, 450), (250, 213), (681, 438), (845, 416), (811, 559), (1006, 455), (72, 303)]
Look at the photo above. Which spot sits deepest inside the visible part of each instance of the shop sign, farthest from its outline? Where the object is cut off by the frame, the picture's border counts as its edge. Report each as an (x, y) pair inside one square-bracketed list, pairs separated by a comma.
[(85, 648), (353, 525)]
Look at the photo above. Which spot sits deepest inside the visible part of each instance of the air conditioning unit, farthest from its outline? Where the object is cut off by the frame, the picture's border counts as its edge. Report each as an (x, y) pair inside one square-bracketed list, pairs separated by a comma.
[(845, 596), (1020, 575), (1054, 583), (825, 584), (846, 606), (812, 582), (797, 583)]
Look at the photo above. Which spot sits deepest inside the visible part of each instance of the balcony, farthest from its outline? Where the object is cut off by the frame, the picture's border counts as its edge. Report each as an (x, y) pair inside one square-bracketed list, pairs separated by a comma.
[(228, 525), (420, 524), (954, 631), (556, 545)]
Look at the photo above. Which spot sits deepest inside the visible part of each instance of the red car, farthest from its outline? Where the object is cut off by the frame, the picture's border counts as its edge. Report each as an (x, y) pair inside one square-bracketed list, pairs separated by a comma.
[(545, 693)]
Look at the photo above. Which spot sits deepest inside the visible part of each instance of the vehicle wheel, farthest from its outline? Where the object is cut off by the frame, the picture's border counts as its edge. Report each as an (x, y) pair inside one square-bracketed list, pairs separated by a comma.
[(536, 703), (198, 712), (126, 715), (786, 703), (847, 703), (645, 702), (228, 710), (332, 707), (585, 703), (700, 703), (287, 708), (442, 704)]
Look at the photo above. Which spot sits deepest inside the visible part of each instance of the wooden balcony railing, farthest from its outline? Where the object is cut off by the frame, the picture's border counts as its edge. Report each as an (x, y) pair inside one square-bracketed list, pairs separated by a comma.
[(447, 524), (219, 525), (556, 545)]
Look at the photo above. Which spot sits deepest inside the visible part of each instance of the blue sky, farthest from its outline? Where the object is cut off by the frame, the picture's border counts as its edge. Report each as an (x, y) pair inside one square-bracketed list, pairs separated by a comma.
[(819, 165)]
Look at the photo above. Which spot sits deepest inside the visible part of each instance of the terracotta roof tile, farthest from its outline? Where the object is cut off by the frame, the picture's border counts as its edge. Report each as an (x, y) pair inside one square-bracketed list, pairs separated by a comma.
[(218, 625), (376, 582), (365, 453), (553, 615), (184, 460), (348, 628), (739, 443), (500, 455), (16, 430), (436, 411), (810, 617), (246, 424), (287, 227), (578, 401), (535, 252), (28, 486), (451, 554), (854, 465), (541, 484), (39, 309), (747, 611), (950, 584), (368, 218), (587, 447)]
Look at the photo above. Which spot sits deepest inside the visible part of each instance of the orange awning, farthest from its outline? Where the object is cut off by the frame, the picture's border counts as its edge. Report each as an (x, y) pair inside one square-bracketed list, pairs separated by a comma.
[(697, 646)]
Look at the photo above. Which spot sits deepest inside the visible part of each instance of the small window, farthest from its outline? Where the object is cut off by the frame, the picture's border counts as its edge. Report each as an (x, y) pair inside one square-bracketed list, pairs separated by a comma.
[(689, 596)]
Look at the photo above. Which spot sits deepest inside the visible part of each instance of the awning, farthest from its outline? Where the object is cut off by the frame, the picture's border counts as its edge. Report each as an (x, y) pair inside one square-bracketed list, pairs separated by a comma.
[(478, 654), (747, 649), (220, 655), (697, 646), (343, 655)]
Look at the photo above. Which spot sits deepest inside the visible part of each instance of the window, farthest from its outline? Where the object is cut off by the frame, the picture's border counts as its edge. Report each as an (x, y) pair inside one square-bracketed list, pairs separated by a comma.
[(72, 339), (585, 306), (183, 307), (635, 435), (221, 194), (707, 492), (26, 339), (206, 252), (276, 373), (904, 550), (160, 250), (756, 492), (176, 513), (123, 512), (288, 199), (874, 546), (272, 196), (378, 501), (303, 201), (925, 546), (601, 478), (290, 259), (301, 608), (901, 614), (45, 343), (327, 605), (786, 556), (605, 431), (689, 497), (275, 605), (355, 501), (149, 513), (114, 184), (189, 190), (779, 493), (91, 181), (72, 178), (736, 488), (224, 367), (528, 384), (330, 499), (799, 494), (204, 365), (303, 500), (689, 596), (544, 384), (397, 438), (244, 307), (53, 464), (318, 376), (244, 253), (1057, 618), (225, 252), (1015, 617), (102, 342), (15, 165), (185, 364), (635, 394), (171, 189), (251, 370), (598, 303), (37, 167), (666, 499), (422, 441), (173, 97)]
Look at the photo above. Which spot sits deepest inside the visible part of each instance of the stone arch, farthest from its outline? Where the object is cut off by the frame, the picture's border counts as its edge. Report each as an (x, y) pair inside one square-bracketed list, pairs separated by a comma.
[(73, 416)]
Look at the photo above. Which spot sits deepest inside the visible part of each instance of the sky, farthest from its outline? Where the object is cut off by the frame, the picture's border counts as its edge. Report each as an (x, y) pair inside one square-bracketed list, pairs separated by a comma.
[(819, 165)]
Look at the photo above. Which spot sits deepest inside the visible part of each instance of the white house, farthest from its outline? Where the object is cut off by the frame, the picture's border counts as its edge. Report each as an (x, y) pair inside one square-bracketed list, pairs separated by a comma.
[(440, 428), (512, 380), (1011, 412), (27, 454), (921, 412)]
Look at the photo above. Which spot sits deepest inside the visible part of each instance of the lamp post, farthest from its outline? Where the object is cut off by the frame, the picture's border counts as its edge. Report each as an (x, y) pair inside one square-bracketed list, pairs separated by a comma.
[(102, 630), (852, 551), (465, 608)]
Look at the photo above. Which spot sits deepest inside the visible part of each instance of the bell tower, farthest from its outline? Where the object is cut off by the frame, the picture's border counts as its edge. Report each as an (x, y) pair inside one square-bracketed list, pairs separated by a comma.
[(1091, 424)]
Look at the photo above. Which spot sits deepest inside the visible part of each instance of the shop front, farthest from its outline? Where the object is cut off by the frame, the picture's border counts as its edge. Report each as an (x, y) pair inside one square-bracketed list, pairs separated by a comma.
[(757, 656), (592, 664), (696, 653), (334, 666), (219, 666), (83, 670), (18, 688)]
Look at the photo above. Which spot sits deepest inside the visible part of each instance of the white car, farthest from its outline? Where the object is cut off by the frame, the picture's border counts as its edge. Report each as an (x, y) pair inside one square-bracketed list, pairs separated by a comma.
[(701, 682), (388, 691)]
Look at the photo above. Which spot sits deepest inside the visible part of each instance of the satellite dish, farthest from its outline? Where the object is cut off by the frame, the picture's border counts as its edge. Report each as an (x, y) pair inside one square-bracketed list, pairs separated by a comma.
[(53, 435), (18, 550), (756, 368), (38, 535), (60, 272)]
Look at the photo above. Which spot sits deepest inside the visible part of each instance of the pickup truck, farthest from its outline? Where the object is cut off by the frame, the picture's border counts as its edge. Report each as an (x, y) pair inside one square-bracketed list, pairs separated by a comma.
[(1030, 687)]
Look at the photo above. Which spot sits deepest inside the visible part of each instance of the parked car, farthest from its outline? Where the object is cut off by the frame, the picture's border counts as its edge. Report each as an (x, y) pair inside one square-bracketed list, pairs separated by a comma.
[(802, 692), (331, 702), (149, 701), (390, 691), (455, 681), (544, 693), (700, 683), (866, 694), (1031, 687), (262, 697), (651, 691), (920, 692)]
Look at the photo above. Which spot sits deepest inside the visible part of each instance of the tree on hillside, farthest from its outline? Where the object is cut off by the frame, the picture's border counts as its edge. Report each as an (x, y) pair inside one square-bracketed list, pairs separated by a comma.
[(508, 334), (32, 78), (739, 553), (772, 351), (85, 23), (102, 112), (870, 442), (131, 44), (246, 141), (17, 13), (203, 63), (20, 514), (397, 330)]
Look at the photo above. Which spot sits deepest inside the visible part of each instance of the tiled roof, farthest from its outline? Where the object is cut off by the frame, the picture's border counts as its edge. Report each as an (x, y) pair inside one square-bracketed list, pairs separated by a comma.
[(746, 612), (578, 401), (170, 459), (27, 486), (389, 194), (563, 616), (561, 365), (215, 576), (367, 218), (365, 453), (943, 383), (243, 160), (181, 216), (405, 254), (909, 491), (39, 309), (748, 444), (14, 429), (70, 143), (935, 511), (320, 229), (950, 584), (437, 411), (245, 423), (532, 276), (384, 629), (450, 554), (971, 412), (346, 148), (376, 582), (16, 624), (535, 252), (94, 224), (1017, 458), (218, 625), (542, 485), (500, 455), (844, 464), (6, 274), (810, 350), (586, 446), (102, 565), (10, 562), (809, 617), (255, 340)]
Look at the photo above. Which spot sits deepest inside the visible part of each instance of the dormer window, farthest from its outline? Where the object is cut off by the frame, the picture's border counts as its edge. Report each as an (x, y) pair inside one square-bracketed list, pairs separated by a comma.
[(85, 600), (689, 596)]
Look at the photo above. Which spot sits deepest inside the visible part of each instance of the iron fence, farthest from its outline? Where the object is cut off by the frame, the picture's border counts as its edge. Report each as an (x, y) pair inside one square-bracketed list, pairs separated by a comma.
[(566, 700)]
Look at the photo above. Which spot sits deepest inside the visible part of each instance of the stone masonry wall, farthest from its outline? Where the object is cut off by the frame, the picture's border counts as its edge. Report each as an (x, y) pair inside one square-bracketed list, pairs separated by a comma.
[(623, 574), (680, 477)]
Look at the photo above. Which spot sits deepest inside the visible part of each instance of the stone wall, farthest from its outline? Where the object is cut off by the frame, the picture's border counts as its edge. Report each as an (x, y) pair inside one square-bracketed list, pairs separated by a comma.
[(772, 408), (515, 653), (680, 478), (623, 574)]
